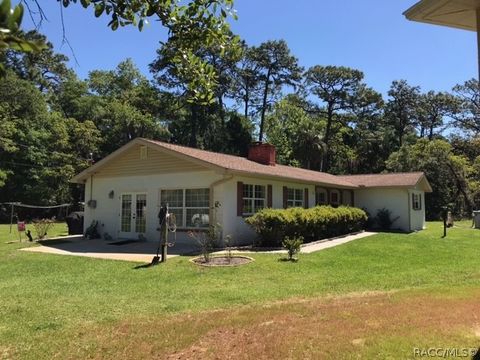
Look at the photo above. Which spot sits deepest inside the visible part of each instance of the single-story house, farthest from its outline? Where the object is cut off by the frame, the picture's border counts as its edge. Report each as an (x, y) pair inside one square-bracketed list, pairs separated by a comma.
[(125, 190)]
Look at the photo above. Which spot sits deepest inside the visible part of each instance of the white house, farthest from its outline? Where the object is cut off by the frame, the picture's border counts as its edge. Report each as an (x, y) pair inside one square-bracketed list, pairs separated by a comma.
[(125, 190)]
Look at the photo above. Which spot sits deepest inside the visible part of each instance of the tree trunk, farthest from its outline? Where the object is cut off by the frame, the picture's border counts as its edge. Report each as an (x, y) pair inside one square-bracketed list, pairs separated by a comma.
[(430, 133), (460, 187), (222, 112), (326, 162), (194, 125), (247, 102), (264, 106)]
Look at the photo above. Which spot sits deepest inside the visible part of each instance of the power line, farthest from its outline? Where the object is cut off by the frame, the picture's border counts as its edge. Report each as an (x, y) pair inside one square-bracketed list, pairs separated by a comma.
[(35, 147), (31, 165), (18, 204)]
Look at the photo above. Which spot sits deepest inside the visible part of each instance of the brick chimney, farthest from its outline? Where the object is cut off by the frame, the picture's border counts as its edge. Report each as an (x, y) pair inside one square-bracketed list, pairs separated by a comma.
[(262, 153)]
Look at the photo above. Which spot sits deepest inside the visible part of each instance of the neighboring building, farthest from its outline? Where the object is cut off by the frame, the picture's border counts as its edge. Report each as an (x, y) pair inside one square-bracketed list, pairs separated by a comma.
[(125, 190)]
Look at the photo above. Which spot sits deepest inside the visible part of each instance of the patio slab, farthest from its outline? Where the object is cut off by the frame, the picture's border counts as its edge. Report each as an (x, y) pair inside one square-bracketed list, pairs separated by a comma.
[(135, 251)]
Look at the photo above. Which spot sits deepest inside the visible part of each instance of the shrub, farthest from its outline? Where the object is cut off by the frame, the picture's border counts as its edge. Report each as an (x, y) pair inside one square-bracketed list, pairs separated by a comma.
[(273, 225), (206, 241), (42, 226), (384, 219), (292, 245), (228, 244)]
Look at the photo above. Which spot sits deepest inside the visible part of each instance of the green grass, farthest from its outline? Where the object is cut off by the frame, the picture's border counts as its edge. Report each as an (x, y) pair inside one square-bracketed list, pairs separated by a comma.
[(46, 299), (58, 229)]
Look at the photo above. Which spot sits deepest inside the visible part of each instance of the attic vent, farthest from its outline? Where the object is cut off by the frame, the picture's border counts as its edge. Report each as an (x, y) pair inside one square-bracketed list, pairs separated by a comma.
[(143, 152)]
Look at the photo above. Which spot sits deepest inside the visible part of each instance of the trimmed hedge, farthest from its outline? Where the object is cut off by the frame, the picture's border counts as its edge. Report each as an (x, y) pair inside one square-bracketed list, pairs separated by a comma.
[(321, 222)]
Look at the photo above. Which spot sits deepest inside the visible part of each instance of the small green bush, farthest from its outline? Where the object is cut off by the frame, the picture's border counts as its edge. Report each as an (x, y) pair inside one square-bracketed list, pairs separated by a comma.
[(384, 219), (273, 225), (292, 245)]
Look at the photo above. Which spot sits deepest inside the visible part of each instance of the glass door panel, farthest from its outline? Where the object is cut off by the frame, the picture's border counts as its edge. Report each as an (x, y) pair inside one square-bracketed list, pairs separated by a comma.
[(140, 212), (126, 214)]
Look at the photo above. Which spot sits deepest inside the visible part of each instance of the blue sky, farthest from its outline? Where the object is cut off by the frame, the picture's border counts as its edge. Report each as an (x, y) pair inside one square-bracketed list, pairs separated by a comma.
[(370, 35)]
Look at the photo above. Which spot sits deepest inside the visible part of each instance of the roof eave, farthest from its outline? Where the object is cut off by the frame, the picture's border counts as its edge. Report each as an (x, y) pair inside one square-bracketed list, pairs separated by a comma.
[(420, 11), (428, 187), (291, 179)]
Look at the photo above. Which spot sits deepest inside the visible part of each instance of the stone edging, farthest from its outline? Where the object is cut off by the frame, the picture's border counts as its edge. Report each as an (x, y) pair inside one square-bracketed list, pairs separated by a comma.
[(223, 256)]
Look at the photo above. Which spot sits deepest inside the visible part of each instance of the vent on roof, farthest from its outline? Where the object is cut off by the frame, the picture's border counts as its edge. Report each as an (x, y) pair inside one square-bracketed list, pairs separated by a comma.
[(262, 153), (143, 152)]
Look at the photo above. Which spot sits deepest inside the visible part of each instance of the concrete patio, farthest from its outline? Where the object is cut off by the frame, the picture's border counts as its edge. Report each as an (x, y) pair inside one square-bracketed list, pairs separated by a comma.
[(138, 251), (144, 251)]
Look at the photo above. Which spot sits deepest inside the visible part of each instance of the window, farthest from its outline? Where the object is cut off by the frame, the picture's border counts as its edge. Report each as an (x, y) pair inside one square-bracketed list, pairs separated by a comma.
[(253, 198), (294, 197), (334, 197), (191, 207), (417, 201), (321, 197), (143, 152)]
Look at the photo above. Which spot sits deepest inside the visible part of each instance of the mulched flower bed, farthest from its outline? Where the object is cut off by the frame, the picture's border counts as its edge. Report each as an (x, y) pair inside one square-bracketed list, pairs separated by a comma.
[(223, 260)]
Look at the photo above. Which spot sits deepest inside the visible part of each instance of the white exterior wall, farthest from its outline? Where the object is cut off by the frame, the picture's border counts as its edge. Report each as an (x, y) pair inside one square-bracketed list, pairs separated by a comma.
[(395, 200), (107, 212), (417, 217), (398, 201), (235, 225)]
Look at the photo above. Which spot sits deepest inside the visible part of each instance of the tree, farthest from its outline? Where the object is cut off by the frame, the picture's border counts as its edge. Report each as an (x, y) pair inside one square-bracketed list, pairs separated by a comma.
[(195, 123), (296, 134), (371, 138), (45, 68), (245, 82), (191, 26), (337, 88), (401, 111), (276, 68), (433, 108), (127, 106), (41, 150), (447, 173), (468, 117)]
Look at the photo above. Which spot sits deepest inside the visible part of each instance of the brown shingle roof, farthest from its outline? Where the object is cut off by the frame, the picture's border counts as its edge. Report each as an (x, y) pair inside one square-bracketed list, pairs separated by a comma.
[(387, 180), (239, 164), (243, 166)]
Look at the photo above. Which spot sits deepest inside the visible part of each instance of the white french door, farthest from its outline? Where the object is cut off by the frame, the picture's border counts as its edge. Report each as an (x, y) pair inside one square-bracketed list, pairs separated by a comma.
[(133, 211)]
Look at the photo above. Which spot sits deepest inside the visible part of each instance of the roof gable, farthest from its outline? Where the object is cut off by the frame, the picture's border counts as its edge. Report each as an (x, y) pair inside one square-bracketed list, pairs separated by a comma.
[(126, 161)]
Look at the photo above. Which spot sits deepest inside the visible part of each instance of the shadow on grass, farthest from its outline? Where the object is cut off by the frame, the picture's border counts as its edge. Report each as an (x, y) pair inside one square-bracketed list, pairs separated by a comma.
[(144, 266), (53, 242), (288, 260)]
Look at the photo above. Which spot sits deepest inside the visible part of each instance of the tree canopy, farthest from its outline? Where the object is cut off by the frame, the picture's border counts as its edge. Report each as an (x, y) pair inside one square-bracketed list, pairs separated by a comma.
[(326, 118)]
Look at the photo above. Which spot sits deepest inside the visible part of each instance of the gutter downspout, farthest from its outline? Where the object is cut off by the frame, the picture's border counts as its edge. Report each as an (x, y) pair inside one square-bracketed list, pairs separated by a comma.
[(212, 192), (91, 187)]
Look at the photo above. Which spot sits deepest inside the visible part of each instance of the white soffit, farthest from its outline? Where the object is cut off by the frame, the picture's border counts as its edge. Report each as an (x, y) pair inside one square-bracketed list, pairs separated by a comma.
[(459, 14)]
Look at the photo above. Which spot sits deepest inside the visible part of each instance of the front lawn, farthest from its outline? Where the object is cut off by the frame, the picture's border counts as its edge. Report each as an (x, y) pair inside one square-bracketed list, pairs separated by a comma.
[(54, 305)]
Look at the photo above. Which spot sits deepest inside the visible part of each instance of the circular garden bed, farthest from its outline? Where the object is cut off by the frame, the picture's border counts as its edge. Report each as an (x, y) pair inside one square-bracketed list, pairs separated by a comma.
[(222, 260)]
